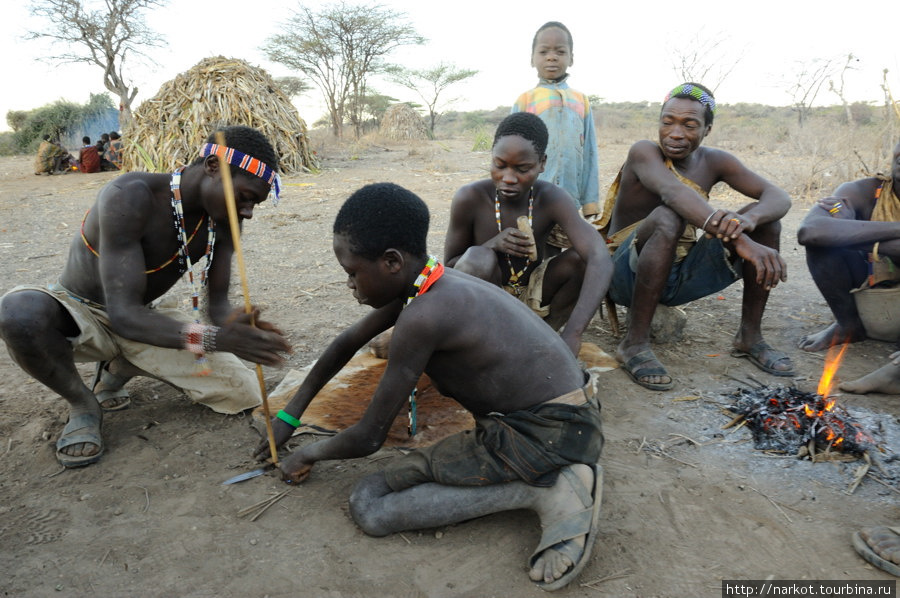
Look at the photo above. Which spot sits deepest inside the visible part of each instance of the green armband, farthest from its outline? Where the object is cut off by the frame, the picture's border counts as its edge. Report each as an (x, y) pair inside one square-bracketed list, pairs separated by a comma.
[(288, 419)]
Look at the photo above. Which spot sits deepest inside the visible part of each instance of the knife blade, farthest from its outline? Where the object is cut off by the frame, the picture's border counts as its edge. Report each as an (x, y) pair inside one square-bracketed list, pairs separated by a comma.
[(247, 475)]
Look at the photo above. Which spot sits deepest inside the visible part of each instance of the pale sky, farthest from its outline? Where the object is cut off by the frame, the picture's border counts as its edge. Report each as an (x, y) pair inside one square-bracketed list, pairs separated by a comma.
[(624, 51)]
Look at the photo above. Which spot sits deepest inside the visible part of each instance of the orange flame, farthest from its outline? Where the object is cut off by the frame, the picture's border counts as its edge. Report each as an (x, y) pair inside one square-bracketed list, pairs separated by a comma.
[(832, 363)]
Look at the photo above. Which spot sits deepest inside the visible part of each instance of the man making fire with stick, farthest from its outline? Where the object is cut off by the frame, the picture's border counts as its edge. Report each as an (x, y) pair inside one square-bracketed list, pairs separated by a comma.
[(537, 437), (144, 231), (654, 211)]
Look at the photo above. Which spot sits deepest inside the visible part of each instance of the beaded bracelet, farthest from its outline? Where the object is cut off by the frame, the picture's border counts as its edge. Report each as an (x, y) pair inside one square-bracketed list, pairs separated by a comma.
[(193, 337), (209, 338), (199, 338), (288, 419)]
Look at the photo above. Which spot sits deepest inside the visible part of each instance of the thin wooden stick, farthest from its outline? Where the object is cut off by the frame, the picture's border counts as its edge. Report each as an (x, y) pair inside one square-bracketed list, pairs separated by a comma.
[(274, 500), (248, 308)]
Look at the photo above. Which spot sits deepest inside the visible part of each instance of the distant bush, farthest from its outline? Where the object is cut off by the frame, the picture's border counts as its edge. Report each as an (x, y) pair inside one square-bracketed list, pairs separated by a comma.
[(8, 144)]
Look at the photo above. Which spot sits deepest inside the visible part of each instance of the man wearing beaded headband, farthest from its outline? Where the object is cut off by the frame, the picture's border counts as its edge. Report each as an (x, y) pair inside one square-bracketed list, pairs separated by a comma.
[(484, 240), (654, 211), (127, 255), (538, 434)]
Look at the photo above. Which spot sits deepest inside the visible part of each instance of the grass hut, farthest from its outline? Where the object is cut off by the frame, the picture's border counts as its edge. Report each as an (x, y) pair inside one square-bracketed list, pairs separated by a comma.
[(401, 122), (169, 128)]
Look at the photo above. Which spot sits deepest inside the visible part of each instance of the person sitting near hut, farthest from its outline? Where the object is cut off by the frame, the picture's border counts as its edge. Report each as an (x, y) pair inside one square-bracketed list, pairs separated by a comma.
[(88, 158), (483, 238), (114, 150), (102, 146), (653, 212), (51, 157), (844, 234), (126, 256), (538, 430)]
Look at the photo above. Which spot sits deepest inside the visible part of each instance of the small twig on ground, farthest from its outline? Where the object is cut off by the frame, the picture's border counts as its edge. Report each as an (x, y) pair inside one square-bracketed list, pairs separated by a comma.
[(737, 419), (688, 439), (8, 447), (595, 582), (103, 560), (774, 504), (53, 475), (882, 482), (405, 538), (259, 508)]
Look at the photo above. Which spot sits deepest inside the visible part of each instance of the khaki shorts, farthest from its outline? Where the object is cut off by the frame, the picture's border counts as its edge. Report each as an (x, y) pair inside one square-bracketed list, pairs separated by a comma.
[(231, 388)]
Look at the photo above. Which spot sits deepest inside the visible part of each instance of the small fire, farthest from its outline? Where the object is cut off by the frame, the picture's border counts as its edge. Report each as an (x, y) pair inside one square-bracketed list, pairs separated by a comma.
[(832, 363)]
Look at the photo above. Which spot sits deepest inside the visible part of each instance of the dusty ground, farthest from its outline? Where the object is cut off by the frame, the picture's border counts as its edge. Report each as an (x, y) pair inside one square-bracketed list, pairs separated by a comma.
[(687, 503)]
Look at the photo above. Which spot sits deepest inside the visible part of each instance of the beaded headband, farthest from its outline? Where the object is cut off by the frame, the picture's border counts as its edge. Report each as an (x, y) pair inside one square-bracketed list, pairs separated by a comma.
[(696, 93), (248, 163)]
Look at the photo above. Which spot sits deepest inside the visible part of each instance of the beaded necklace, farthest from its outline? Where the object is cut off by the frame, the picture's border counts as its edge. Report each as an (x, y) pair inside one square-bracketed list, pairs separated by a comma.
[(174, 257), (185, 258), (428, 276), (430, 273), (513, 275)]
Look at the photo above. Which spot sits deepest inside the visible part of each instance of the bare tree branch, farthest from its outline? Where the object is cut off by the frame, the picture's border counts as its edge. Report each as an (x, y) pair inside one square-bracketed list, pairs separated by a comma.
[(103, 36)]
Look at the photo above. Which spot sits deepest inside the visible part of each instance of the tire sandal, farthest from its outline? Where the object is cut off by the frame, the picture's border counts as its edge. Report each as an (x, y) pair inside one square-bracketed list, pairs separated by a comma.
[(80, 429), (120, 397)]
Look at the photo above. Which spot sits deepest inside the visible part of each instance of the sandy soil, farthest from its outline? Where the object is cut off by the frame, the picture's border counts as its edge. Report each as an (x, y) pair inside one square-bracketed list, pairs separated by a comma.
[(687, 503)]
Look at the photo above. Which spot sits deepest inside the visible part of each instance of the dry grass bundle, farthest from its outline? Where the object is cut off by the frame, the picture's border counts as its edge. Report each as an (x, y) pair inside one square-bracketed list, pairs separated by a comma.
[(402, 122), (169, 128)]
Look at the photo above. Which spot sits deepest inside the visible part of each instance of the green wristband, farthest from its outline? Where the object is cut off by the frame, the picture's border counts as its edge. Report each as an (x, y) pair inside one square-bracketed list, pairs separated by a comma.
[(288, 419)]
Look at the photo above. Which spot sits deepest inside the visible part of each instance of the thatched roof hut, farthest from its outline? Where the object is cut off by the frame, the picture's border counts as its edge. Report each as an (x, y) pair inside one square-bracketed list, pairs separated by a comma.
[(401, 122), (169, 128)]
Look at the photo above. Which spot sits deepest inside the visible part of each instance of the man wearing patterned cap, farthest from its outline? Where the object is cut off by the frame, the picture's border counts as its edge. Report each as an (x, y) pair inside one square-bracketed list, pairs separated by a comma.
[(141, 235), (671, 246)]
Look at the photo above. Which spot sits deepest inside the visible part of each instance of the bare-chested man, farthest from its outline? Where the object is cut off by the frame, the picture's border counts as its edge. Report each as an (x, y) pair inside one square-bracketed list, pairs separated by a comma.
[(655, 209), (483, 238), (143, 232), (839, 233), (538, 436)]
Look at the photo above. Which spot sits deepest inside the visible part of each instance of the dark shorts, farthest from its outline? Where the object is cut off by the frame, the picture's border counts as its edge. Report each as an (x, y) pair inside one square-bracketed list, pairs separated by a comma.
[(705, 270), (530, 445)]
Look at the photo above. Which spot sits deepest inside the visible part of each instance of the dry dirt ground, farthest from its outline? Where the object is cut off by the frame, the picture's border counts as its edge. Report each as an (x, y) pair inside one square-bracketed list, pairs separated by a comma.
[(686, 505)]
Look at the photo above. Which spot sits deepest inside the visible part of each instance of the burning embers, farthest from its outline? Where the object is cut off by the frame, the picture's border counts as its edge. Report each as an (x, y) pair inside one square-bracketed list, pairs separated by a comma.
[(796, 422)]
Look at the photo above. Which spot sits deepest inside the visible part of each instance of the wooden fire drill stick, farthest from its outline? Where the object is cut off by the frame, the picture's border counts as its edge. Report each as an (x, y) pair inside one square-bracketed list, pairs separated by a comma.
[(248, 308), (522, 222)]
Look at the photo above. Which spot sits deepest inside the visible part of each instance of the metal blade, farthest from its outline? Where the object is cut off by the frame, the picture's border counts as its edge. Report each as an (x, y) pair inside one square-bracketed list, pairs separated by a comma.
[(245, 476)]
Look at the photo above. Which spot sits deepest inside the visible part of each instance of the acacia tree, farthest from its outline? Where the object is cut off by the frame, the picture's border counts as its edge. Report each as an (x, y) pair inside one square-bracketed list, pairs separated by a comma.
[(338, 48), (104, 36), (429, 84)]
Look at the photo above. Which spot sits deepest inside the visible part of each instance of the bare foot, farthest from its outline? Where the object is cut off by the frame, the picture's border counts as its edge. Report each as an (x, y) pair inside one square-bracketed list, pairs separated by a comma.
[(562, 501), (831, 335), (381, 344), (885, 379)]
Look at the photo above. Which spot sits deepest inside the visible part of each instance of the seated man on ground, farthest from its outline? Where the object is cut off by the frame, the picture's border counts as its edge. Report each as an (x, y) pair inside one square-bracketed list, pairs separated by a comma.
[(839, 233), (654, 210), (51, 157), (88, 158), (483, 238), (538, 434), (127, 255)]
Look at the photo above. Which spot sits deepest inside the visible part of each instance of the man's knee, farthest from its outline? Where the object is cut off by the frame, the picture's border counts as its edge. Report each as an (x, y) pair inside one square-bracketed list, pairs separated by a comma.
[(768, 233), (21, 318), (478, 261), (366, 504)]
